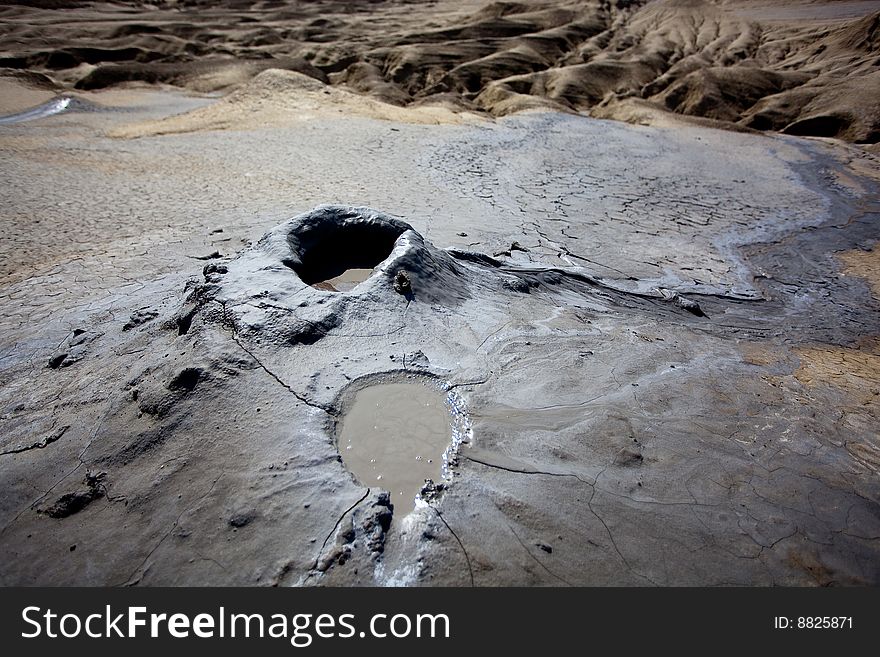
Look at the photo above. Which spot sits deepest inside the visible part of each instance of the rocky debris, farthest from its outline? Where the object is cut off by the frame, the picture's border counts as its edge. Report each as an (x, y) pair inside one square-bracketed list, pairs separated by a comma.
[(242, 518), (516, 285), (360, 534), (676, 299), (59, 360), (214, 255), (402, 283), (214, 268), (376, 521), (431, 491)]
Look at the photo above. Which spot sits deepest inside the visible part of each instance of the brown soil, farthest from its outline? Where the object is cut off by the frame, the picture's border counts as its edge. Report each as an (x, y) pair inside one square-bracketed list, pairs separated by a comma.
[(802, 67)]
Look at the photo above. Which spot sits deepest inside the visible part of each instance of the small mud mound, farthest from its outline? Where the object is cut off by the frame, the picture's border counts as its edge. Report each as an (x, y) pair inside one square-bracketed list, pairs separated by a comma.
[(285, 289)]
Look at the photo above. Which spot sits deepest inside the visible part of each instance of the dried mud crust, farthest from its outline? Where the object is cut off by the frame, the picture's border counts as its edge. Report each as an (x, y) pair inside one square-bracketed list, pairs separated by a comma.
[(614, 466), (618, 437)]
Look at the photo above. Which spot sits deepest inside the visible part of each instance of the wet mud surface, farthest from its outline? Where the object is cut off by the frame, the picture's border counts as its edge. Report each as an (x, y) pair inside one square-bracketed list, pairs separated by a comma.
[(397, 434), (664, 342)]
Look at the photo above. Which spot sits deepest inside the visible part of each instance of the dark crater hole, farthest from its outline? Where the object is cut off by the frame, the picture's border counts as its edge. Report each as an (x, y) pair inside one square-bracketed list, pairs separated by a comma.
[(327, 250)]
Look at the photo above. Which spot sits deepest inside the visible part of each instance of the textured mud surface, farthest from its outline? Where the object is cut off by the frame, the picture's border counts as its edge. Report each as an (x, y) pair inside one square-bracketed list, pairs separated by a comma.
[(805, 67), (665, 340)]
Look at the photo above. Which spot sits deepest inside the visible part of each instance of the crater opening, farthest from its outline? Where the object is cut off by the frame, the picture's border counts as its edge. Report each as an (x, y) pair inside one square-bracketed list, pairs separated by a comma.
[(396, 434), (337, 255)]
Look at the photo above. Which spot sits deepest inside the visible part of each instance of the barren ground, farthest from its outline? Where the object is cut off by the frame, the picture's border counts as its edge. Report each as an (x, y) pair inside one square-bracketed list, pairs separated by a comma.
[(170, 390)]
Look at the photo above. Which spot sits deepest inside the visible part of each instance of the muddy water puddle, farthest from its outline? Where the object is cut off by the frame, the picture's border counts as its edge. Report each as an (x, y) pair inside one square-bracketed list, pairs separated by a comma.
[(346, 281), (397, 434)]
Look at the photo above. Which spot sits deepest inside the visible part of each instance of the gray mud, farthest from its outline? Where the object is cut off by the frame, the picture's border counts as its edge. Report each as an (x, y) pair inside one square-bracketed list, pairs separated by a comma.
[(58, 105), (670, 377), (54, 106)]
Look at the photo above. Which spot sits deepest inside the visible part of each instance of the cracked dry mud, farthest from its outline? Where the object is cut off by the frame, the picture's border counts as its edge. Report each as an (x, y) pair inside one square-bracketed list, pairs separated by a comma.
[(665, 340)]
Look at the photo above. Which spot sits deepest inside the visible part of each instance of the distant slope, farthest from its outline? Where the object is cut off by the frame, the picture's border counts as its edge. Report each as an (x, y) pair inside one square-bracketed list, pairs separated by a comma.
[(804, 67)]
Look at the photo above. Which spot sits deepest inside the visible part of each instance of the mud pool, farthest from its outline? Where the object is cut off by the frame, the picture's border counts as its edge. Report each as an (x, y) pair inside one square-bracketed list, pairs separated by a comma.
[(394, 437), (346, 281)]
